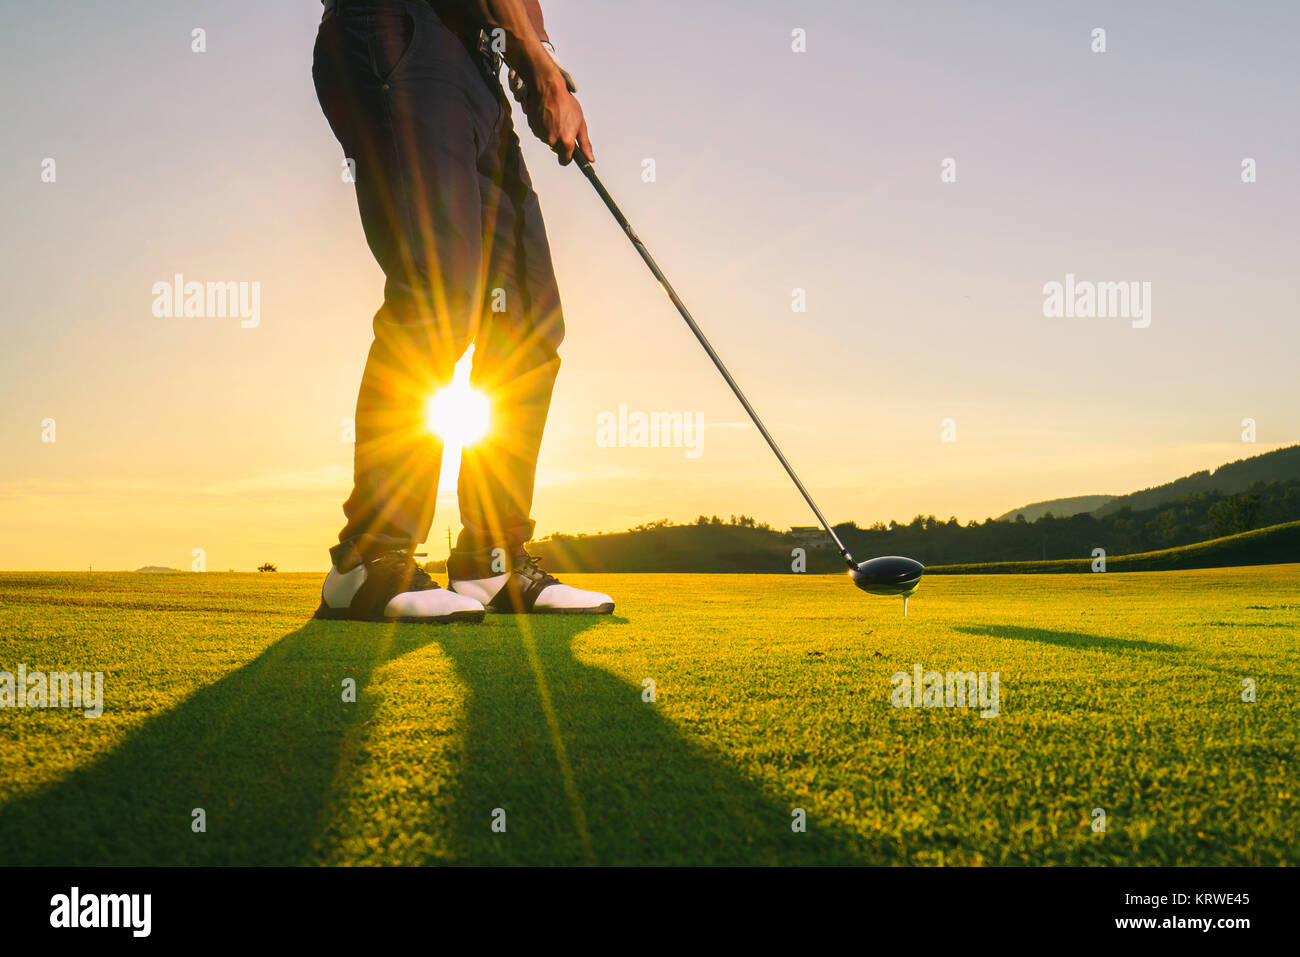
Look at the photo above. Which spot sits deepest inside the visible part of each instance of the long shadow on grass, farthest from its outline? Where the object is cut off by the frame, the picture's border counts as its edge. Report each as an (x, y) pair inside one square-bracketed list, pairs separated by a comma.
[(258, 750), (586, 771), (1066, 639)]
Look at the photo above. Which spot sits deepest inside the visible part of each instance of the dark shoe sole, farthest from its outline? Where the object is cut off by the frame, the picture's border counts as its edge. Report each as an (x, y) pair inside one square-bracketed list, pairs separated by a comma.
[(605, 609), (326, 613)]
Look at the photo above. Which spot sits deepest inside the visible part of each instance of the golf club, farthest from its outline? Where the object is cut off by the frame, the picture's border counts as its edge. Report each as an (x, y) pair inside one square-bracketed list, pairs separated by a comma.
[(887, 575)]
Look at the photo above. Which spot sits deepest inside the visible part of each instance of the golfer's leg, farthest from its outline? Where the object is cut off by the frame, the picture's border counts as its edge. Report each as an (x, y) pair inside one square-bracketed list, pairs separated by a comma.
[(384, 84), (515, 356), (515, 361)]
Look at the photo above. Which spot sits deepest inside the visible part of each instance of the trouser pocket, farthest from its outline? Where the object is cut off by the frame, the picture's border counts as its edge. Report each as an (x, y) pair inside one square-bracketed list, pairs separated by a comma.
[(393, 33)]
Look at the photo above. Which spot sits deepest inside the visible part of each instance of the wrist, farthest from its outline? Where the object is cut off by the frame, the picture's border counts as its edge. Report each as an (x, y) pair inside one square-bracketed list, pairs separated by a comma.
[(548, 78), (529, 57)]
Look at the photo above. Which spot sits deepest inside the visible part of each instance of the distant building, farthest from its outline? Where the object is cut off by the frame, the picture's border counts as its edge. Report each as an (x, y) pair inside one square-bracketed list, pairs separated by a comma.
[(809, 536)]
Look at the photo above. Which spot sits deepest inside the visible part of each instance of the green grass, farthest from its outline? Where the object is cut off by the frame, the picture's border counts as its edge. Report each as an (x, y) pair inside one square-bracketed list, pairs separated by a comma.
[(1272, 545), (1119, 691)]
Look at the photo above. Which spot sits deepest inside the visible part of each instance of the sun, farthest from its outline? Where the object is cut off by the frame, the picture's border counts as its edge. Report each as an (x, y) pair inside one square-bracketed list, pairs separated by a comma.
[(459, 414)]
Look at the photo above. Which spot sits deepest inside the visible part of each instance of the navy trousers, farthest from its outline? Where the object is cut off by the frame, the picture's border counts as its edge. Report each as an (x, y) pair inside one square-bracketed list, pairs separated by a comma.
[(451, 216)]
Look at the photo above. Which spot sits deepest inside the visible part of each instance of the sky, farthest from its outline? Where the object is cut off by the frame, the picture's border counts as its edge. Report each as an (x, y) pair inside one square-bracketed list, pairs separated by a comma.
[(922, 377)]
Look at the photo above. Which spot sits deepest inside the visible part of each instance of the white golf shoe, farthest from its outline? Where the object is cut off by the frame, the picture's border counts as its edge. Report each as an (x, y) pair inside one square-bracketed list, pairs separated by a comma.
[(392, 587), (524, 588)]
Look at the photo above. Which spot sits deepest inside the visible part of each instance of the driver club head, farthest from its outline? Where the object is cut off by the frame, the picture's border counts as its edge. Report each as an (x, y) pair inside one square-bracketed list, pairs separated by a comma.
[(888, 575)]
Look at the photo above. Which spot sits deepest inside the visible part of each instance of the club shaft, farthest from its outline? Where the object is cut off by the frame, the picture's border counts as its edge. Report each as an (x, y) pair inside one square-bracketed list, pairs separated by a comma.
[(623, 223)]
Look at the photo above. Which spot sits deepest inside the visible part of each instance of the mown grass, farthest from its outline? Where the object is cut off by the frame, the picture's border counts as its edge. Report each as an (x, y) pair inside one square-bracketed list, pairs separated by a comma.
[(1118, 691)]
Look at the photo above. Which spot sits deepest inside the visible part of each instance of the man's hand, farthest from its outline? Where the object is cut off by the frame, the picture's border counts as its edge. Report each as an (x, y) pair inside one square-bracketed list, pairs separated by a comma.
[(555, 117), (520, 89), (544, 88)]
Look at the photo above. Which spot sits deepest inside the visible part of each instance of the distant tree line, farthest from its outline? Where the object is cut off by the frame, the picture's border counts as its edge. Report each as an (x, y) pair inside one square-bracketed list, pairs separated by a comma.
[(1195, 518), (742, 544)]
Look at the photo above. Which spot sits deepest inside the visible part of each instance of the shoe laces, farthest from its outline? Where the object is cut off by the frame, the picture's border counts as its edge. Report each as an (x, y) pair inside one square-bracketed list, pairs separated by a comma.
[(401, 562), (530, 566)]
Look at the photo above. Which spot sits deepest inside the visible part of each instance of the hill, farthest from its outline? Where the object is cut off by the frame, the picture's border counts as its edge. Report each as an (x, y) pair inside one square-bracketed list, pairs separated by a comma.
[(1249, 494), (1275, 545), (742, 546), (1237, 476), (1058, 506), (1276, 466)]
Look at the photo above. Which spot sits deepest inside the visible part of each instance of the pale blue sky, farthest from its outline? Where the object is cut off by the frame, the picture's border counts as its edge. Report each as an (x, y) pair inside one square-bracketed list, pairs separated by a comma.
[(775, 170)]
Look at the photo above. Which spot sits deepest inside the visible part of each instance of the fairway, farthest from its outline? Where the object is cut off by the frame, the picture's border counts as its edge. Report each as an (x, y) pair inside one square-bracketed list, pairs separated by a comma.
[(1119, 691)]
